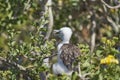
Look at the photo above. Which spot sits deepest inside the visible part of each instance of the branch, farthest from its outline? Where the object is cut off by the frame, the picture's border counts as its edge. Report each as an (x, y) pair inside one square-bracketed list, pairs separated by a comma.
[(82, 76), (93, 36), (11, 63), (50, 25), (114, 25), (112, 7)]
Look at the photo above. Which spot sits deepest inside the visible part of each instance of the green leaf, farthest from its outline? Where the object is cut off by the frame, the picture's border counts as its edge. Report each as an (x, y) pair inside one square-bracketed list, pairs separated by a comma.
[(98, 52)]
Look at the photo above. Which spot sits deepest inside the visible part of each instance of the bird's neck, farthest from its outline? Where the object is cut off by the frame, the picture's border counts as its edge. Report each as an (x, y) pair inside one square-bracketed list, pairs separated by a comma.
[(61, 44), (64, 42)]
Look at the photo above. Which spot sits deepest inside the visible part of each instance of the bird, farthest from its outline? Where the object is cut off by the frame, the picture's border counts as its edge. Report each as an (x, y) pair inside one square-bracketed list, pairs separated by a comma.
[(67, 53)]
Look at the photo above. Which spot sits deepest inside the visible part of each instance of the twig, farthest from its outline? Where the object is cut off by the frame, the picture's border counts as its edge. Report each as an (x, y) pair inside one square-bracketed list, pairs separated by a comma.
[(83, 77), (79, 69), (27, 5), (112, 7), (11, 63), (114, 25), (51, 56)]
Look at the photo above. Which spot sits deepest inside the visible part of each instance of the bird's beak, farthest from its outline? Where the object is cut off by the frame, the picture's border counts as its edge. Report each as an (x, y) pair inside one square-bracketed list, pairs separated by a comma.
[(56, 31), (57, 34)]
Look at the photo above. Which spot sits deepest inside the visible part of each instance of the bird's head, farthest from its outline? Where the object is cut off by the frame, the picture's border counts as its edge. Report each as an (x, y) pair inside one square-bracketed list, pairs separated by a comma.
[(64, 33)]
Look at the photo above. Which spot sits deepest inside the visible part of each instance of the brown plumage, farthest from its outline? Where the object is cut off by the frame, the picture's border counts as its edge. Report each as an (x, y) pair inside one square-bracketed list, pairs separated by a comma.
[(69, 55)]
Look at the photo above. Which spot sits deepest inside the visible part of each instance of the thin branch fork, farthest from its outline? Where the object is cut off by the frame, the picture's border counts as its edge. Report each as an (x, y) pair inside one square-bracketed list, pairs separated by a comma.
[(112, 7), (82, 76)]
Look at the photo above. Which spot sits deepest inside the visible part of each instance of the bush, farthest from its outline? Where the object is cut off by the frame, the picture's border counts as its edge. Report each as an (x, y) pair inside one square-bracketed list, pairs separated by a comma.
[(23, 47)]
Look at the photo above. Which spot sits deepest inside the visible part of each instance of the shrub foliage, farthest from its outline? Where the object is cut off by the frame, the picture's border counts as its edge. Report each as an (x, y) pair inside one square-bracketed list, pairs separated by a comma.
[(23, 47)]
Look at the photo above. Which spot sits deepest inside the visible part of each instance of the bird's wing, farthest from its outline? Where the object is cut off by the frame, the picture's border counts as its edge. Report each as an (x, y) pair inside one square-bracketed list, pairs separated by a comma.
[(69, 55)]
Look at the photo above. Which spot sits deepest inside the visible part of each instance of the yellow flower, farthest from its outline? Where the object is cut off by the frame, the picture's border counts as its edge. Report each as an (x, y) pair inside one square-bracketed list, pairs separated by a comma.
[(111, 56), (102, 61), (109, 59), (115, 61)]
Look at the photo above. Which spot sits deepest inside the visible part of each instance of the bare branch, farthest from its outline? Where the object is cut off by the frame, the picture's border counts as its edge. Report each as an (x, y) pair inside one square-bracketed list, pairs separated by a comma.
[(114, 25), (112, 7), (93, 36), (50, 25), (82, 76)]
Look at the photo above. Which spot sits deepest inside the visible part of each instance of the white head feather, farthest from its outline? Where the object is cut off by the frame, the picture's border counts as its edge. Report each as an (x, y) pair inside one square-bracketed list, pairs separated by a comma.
[(66, 33)]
